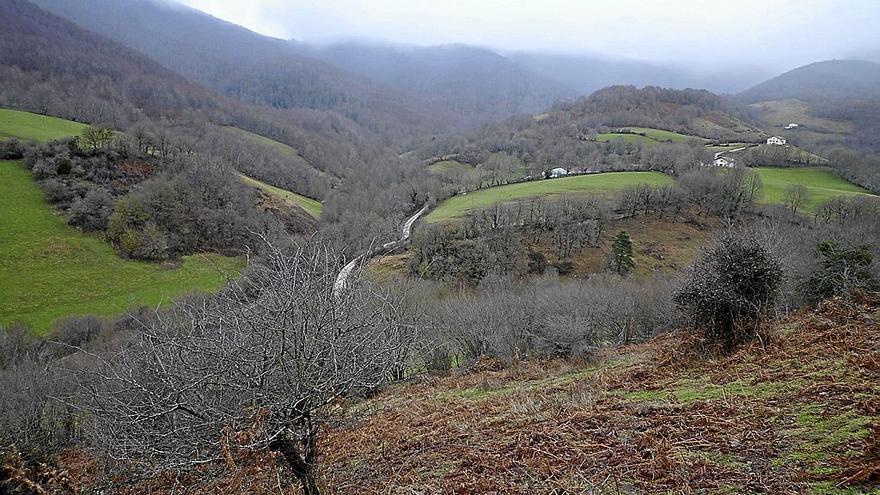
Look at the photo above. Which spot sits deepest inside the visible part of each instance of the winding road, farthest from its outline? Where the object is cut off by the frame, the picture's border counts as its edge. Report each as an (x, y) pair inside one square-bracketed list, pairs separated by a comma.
[(405, 233)]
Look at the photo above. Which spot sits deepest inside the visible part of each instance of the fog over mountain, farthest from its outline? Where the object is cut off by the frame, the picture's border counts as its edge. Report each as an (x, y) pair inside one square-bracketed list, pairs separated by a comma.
[(779, 35)]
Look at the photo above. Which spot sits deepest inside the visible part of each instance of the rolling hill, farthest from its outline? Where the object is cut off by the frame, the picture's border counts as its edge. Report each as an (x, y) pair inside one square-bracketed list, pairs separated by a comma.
[(459, 206)]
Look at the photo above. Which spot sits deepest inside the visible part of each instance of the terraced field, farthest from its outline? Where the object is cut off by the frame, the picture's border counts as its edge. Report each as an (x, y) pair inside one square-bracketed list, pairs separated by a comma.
[(49, 270), (30, 126), (605, 184)]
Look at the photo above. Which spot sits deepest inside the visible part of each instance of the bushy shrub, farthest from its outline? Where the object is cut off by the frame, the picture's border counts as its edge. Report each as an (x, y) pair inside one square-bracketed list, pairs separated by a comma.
[(844, 269), (31, 423), (537, 262), (143, 244), (92, 212), (546, 317), (731, 289), (11, 149)]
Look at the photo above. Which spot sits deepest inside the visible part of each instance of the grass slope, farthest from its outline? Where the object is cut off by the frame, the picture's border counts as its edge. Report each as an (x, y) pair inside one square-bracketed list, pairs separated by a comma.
[(779, 113), (49, 270), (450, 166), (256, 138), (797, 415), (311, 206), (459, 206), (30, 126), (820, 181), (646, 135)]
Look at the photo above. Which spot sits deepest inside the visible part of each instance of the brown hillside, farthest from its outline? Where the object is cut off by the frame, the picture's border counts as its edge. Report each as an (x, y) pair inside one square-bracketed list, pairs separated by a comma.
[(793, 417), (800, 414)]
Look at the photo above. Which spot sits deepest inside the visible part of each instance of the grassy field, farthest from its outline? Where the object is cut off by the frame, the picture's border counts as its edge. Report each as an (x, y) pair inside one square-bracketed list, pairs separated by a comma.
[(820, 181), (449, 166), (651, 136), (629, 138), (311, 206), (49, 270), (30, 126), (780, 113), (459, 206), (256, 138)]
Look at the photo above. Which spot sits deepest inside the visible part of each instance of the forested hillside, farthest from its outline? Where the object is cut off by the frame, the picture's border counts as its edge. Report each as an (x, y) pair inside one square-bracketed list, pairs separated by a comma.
[(246, 65), (828, 80), (584, 134), (474, 82), (586, 73), (53, 66)]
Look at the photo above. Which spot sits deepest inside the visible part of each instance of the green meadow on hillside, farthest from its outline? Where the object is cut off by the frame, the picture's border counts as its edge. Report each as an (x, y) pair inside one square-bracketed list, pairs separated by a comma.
[(30, 126), (256, 138), (49, 270), (450, 166), (459, 206), (646, 135), (820, 181), (311, 206)]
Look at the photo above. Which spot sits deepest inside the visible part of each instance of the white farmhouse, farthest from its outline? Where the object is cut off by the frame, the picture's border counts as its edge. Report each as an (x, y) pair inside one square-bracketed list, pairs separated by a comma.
[(791, 126), (776, 140), (724, 161), (556, 172)]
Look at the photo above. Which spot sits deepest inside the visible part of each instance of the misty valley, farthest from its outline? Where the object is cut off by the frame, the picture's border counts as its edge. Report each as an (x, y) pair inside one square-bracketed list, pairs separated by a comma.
[(302, 248)]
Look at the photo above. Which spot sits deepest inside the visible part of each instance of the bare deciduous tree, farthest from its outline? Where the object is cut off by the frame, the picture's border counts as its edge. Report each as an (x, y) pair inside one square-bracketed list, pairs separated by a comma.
[(796, 196), (269, 356)]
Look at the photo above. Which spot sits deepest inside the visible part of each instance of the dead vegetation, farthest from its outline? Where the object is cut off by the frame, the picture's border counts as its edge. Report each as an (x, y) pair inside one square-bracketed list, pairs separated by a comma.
[(793, 416), (798, 414)]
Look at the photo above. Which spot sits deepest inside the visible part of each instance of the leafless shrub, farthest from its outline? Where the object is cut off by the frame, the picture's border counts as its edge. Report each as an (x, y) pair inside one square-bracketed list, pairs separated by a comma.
[(547, 318), (252, 369)]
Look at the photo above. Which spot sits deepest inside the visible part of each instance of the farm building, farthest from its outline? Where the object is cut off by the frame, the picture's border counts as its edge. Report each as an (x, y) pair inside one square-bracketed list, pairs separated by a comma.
[(556, 172), (791, 126), (724, 161), (776, 140)]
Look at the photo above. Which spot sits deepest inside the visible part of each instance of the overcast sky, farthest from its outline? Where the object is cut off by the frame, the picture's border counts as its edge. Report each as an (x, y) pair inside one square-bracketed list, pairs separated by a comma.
[(699, 33)]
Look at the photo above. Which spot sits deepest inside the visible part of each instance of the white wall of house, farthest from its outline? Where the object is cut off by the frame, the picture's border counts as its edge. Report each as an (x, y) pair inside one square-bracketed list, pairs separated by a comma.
[(776, 140), (557, 172), (724, 162)]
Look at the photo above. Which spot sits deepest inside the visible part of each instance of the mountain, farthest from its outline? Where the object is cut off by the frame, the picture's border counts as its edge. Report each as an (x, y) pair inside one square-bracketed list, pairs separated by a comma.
[(835, 102), (475, 82), (52, 66), (828, 80), (246, 65), (587, 73)]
